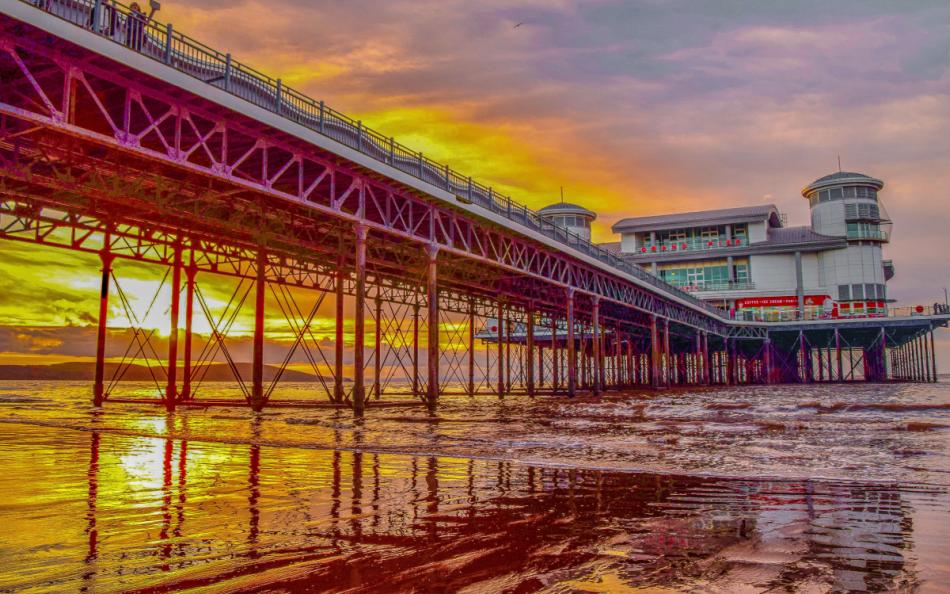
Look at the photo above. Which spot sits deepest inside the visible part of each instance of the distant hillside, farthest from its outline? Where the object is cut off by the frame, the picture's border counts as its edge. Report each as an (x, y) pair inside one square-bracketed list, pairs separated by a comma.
[(139, 373)]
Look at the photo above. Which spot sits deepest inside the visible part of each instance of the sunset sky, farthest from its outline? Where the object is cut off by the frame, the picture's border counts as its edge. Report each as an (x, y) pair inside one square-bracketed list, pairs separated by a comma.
[(634, 107)]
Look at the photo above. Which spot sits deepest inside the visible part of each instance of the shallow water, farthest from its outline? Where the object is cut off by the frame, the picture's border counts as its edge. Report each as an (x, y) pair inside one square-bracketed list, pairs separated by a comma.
[(792, 488)]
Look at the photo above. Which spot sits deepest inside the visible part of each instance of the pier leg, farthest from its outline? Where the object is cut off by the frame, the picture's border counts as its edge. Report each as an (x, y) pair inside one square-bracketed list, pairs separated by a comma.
[(767, 360), (98, 390), (555, 356), (338, 336), (571, 347), (706, 378), (541, 381), (731, 367), (655, 363), (171, 388), (598, 367), (190, 274), (507, 327), (378, 349), (500, 349), (529, 346), (838, 355), (667, 362), (803, 358), (933, 358), (359, 324), (257, 361), (432, 295), (471, 349), (415, 350)]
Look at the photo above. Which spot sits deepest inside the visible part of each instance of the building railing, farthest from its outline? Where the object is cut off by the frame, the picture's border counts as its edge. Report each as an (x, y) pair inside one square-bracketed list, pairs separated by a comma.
[(684, 245), (727, 286), (818, 313), (164, 44), (871, 234)]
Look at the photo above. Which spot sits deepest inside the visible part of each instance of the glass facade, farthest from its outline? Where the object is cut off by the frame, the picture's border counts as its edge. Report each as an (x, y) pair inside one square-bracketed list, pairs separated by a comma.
[(708, 275), (843, 193)]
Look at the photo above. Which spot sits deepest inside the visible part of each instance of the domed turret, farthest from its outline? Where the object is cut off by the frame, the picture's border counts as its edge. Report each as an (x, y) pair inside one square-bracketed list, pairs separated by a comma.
[(574, 218)]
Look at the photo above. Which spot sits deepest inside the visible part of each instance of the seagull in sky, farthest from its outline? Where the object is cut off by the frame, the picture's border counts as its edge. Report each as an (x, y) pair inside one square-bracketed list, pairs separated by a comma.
[(518, 25)]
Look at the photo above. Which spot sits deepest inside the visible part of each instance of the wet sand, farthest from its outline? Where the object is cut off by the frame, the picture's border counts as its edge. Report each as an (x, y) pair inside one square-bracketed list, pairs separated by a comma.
[(798, 489)]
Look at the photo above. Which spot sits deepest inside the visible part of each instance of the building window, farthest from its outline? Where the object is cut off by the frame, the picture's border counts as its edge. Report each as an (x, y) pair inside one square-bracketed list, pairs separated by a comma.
[(844, 293), (857, 292)]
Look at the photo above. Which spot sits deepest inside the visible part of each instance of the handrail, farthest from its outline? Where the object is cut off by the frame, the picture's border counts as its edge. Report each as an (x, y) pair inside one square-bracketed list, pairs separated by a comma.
[(163, 43)]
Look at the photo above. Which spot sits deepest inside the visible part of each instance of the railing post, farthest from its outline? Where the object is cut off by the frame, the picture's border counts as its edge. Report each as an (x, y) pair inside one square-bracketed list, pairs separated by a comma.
[(447, 184), (469, 188), (96, 11), (420, 165), (322, 116), (277, 97), (359, 135), (169, 33), (227, 72), (392, 151)]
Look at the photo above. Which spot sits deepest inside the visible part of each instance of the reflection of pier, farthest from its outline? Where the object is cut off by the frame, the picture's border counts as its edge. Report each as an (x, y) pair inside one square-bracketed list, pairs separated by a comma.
[(354, 518), (132, 142)]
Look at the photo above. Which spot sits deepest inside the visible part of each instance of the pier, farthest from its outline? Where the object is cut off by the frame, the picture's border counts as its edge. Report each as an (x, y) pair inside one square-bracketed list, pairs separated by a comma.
[(122, 137)]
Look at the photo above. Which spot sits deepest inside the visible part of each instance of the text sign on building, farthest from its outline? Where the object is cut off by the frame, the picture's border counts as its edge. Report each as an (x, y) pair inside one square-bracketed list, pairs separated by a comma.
[(780, 301)]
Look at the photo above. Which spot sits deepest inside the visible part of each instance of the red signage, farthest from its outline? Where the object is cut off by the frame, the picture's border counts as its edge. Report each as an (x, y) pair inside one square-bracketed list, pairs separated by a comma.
[(780, 301)]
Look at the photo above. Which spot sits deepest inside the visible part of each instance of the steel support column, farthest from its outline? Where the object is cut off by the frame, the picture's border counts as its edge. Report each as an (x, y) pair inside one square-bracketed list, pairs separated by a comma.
[(471, 349), (359, 323), (529, 346), (98, 392), (767, 360), (378, 349), (655, 362), (415, 349), (803, 356), (598, 362), (432, 300), (338, 336), (190, 274), (257, 362), (171, 386), (933, 358), (571, 350), (555, 356), (666, 352), (706, 378), (838, 355), (501, 349)]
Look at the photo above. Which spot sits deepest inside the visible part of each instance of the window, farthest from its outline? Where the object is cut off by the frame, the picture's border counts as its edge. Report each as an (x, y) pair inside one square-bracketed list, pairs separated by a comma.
[(823, 196), (861, 192), (870, 291), (857, 292), (835, 193), (844, 293), (740, 231), (849, 191), (742, 273)]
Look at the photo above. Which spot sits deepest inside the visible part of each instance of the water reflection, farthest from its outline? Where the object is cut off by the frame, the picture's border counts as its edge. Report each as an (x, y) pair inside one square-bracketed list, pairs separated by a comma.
[(316, 519)]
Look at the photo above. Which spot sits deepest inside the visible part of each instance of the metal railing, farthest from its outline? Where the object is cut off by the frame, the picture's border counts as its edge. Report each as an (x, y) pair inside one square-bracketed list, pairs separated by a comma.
[(686, 245), (872, 234), (727, 286), (163, 43)]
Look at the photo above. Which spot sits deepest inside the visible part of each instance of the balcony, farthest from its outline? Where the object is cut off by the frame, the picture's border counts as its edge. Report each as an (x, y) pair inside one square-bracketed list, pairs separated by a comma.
[(868, 234), (690, 245), (888, 266)]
